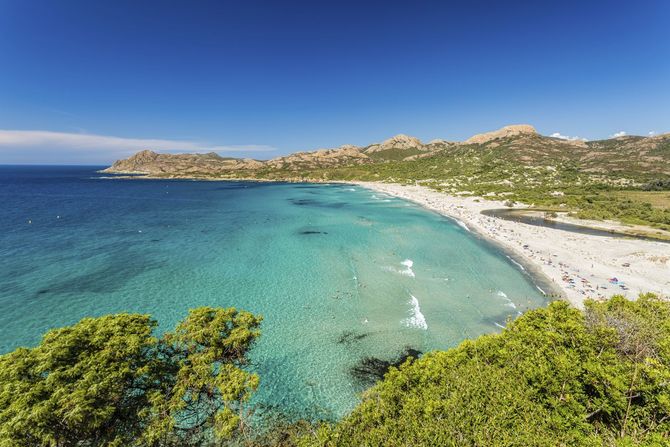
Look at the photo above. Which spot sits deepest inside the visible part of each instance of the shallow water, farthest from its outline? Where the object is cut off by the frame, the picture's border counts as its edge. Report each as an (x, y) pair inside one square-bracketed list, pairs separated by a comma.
[(339, 273)]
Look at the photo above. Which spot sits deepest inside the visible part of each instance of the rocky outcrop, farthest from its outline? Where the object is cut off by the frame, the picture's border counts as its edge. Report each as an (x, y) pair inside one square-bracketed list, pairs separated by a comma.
[(322, 158), (152, 163), (505, 132), (138, 163), (400, 141)]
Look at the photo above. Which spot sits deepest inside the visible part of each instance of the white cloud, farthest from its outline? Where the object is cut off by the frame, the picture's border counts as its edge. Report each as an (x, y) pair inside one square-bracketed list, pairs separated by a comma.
[(618, 134), (651, 133), (15, 138), (91, 147), (565, 137)]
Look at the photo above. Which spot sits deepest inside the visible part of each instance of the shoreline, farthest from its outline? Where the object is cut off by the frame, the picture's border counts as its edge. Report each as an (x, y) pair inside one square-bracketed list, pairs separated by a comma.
[(560, 263), (539, 279), (576, 266)]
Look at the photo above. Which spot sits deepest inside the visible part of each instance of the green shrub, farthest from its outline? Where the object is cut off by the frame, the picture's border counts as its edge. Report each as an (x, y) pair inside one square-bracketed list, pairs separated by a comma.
[(554, 377), (108, 382)]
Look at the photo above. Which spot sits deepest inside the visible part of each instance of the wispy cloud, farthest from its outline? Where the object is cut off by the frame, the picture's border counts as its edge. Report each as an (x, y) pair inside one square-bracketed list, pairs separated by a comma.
[(618, 134), (24, 145), (565, 137)]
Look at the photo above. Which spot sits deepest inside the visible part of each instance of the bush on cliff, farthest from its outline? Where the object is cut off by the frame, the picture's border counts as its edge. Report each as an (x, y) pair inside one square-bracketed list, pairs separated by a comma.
[(555, 377), (109, 382)]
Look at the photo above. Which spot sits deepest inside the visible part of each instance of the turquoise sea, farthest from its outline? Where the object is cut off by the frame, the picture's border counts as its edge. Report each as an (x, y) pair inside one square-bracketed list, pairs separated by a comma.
[(340, 273)]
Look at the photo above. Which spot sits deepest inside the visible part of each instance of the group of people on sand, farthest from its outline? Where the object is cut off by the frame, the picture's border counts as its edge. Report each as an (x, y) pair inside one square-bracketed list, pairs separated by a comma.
[(587, 263), (571, 277)]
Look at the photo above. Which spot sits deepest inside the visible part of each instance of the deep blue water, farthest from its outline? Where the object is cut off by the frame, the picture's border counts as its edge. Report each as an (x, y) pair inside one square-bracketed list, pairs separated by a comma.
[(338, 272)]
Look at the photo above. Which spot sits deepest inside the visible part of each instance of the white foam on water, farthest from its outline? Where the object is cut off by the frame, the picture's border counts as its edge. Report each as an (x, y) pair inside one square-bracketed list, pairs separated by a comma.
[(462, 224), (381, 197), (509, 303), (350, 189), (416, 319), (407, 271), (516, 263), (500, 325), (543, 292)]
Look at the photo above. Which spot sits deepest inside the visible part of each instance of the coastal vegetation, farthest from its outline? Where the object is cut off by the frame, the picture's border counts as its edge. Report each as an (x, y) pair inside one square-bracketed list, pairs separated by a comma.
[(109, 381), (631, 194), (554, 376)]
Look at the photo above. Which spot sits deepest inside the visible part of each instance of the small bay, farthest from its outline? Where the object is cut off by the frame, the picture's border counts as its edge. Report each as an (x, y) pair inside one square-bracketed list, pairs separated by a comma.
[(340, 273)]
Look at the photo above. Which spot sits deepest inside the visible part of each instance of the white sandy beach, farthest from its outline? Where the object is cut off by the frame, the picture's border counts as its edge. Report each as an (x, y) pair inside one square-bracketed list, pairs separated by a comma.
[(580, 265)]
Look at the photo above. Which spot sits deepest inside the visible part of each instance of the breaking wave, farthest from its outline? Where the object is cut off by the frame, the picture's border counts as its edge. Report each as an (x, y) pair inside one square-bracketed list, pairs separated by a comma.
[(408, 263), (416, 319)]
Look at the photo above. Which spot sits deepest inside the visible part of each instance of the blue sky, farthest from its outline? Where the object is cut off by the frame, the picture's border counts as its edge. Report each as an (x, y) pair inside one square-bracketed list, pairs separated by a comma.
[(90, 81)]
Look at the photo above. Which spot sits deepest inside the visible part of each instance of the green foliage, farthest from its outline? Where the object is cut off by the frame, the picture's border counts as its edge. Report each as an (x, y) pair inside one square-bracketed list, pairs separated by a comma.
[(529, 170), (394, 154), (657, 185), (555, 376), (108, 382), (603, 207)]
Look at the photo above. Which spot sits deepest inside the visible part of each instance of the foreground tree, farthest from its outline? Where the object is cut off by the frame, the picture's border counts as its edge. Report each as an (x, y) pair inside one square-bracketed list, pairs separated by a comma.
[(109, 382), (555, 377)]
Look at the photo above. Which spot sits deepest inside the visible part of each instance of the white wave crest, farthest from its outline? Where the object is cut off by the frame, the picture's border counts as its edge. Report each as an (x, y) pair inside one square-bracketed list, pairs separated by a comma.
[(416, 319), (407, 271), (462, 224), (508, 303), (516, 263)]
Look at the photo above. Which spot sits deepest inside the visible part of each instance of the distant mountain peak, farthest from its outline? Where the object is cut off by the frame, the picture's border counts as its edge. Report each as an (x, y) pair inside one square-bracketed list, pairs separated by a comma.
[(518, 143), (348, 147), (507, 131), (145, 153), (400, 141)]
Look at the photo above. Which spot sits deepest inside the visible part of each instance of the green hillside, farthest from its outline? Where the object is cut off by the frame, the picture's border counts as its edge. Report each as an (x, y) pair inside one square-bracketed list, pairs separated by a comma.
[(554, 377), (599, 180), (591, 180)]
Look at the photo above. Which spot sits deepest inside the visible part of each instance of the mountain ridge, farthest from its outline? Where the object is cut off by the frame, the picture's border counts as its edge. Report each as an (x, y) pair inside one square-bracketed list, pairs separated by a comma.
[(622, 179), (520, 143)]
